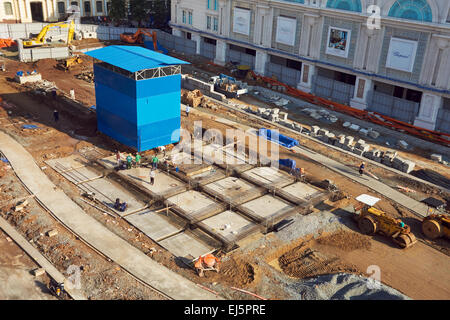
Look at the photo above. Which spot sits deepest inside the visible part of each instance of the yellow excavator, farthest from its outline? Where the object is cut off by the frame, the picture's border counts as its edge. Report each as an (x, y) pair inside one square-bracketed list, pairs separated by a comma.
[(371, 220), (435, 224), (39, 40), (67, 64)]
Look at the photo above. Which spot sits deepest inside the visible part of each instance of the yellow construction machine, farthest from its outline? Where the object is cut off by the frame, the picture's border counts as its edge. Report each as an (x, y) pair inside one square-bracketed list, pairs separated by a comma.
[(39, 40), (66, 64), (371, 220), (435, 224)]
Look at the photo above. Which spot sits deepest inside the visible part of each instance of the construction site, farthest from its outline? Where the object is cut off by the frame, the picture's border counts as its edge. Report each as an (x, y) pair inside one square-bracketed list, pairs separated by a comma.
[(117, 162)]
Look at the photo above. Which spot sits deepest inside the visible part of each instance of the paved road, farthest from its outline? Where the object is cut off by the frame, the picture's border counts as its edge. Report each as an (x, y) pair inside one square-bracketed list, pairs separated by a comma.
[(93, 232), (415, 206), (39, 259)]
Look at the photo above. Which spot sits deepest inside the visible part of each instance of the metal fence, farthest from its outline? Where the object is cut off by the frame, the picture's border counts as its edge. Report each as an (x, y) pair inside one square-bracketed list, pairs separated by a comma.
[(171, 42), (391, 106), (331, 89), (443, 121), (240, 57), (284, 74), (208, 50)]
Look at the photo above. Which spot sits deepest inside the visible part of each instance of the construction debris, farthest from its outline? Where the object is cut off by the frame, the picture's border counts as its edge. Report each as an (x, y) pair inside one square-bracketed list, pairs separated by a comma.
[(192, 98)]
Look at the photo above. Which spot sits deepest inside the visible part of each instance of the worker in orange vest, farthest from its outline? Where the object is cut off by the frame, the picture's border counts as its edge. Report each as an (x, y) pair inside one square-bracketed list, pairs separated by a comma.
[(206, 262)]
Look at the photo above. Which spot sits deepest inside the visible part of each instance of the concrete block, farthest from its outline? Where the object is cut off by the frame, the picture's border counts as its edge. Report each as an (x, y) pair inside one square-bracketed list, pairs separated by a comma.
[(28, 78), (402, 144), (354, 127), (275, 110), (364, 132), (348, 147), (332, 140), (52, 233), (359, 152), (436, 157), (364, 147), (38, 272), (323, 131), (374, 134), (283, 115), (349, 139), (330, 135), (341, 138), (361, 141), (408, 166), (315, 129), (346, 124)]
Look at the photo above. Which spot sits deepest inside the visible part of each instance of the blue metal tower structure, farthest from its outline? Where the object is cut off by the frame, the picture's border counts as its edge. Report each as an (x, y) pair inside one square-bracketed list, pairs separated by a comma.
[(138, 95)]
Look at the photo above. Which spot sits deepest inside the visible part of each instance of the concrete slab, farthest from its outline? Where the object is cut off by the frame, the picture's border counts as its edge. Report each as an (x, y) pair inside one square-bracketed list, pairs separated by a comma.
[(191, 201), (228, 224), (301, 190), (184, 245), (107, 192), (267, 206), (71, 162), (111, 162), (81, 175), (232, 189), (268, 176), (164, 183), (155, 225)]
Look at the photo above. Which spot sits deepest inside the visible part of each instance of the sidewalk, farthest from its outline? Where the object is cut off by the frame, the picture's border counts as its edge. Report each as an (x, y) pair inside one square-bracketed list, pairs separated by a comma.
[(39, 259), (93, 232)]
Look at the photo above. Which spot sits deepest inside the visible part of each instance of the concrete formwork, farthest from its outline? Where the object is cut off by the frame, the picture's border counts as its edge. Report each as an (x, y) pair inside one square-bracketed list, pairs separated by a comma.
[(268, 177), (223, 156), (301, 191), (73, 169), (233, 190), (106, 192), (71, 162), (164, 186), (267, 210), (155, 224), (194, 206), (228, 227), (189, 245)]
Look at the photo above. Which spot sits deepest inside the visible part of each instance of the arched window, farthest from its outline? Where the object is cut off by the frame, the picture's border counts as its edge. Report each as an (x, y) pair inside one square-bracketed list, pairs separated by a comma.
[(350, 5), (411, 9)]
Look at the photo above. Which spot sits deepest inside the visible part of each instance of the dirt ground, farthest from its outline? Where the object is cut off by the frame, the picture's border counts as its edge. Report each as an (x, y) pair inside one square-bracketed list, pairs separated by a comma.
[(338, 252)]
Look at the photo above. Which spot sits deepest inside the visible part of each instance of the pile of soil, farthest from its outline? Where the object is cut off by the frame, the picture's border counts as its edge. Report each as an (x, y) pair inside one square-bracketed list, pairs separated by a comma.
[(302, 262), (233, 272), (347, 241)]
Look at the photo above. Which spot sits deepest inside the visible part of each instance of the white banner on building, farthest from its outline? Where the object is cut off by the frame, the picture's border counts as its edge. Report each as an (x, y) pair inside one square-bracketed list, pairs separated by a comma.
[(401, 55), (286, 28), (241, 21), (338, 42)]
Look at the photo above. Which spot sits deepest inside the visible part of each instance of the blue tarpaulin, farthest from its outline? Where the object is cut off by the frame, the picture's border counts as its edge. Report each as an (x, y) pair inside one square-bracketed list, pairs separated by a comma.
[(29, 126), (4, 160), (278, 138), (287, 163)]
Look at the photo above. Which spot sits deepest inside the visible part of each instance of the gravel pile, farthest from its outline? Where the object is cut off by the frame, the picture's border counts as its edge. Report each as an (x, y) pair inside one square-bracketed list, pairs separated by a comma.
[(343, 287)]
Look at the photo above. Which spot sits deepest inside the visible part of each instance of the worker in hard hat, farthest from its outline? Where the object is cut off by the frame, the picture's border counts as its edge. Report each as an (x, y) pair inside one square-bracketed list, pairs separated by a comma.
[(206, 262)]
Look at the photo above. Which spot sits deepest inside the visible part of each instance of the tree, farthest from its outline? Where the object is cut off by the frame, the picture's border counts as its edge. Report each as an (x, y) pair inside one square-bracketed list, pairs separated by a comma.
[(160, 12), (139, 10), (117, 10)]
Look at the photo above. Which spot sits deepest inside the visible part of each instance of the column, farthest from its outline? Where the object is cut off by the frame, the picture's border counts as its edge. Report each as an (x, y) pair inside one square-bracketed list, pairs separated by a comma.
[(198, 40), (429, 108), (362, 88), (305, 84), (221, 52), (261, 62)]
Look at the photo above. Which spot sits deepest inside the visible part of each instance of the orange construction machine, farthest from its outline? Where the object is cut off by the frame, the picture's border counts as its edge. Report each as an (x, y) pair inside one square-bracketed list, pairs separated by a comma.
[(205, 263), (138, 37)]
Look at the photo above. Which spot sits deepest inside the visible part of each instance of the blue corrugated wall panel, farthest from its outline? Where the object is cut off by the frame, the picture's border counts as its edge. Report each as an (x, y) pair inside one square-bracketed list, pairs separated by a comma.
[(141, 114)]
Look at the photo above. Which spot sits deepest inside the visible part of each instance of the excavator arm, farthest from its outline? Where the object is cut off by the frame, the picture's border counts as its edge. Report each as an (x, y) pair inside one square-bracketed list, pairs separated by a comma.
[(137, 37), (40, 38)]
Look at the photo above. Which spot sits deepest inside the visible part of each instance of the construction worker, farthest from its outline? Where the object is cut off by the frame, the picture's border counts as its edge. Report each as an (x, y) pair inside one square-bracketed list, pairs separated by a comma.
[(129, 161), (207, 262), (118, 157), (187, 111), (138, 159), (155, 161), (120, 206), (361, 168), (152, 176)]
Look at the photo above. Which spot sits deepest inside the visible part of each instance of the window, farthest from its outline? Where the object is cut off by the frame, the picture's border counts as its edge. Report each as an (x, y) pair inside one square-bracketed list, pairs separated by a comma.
[(87, 7), (212, 4), (184, 16), (208, 22), (212, 23), (216, 4), (8, 9), (61, 7), (74, 3), (215, 24), (98, 6), (108, 6), (190, 17)]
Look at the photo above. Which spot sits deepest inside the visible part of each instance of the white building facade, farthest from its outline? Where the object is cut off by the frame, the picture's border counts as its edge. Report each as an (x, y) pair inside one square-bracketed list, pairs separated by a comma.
[(388, 56), (25, 11)]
